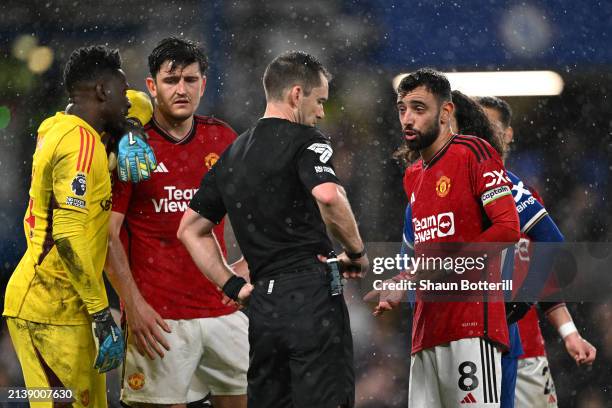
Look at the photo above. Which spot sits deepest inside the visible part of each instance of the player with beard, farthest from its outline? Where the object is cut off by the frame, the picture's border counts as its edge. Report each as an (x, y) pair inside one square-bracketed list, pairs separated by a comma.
[(172, 310), (459, 184), (534, 386)]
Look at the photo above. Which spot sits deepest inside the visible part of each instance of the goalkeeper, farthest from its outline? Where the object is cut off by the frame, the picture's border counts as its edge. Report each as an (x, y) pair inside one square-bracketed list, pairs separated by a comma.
[(55, 299)]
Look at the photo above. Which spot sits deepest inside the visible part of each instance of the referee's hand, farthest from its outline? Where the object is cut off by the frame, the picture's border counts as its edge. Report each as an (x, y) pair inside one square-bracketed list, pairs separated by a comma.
[(353, 268)]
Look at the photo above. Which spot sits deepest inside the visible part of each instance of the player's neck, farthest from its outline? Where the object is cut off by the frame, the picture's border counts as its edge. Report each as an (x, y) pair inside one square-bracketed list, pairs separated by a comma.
[(87, 115), (280, 111), (176, 129), (429, 152)]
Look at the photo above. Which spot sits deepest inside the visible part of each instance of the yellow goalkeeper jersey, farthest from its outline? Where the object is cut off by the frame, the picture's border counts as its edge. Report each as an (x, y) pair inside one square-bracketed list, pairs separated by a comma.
[(69, 172)]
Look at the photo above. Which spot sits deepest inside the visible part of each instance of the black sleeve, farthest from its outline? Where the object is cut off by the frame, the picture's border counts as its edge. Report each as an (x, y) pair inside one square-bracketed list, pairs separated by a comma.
[(208, 201), (314, 164)]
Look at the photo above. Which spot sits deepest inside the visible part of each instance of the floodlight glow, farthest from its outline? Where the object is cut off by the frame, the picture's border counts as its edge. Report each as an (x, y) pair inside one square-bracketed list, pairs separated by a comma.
[(503, 83)]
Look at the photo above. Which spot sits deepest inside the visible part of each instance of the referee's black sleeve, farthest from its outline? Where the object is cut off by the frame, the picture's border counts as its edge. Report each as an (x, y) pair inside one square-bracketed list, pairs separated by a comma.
[(314, 163), (207, 201)]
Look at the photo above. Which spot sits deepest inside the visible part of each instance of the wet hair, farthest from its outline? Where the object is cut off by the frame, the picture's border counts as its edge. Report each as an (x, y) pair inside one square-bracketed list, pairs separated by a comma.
[(472, 120), (293, 68), (90, 63), (180, 52), (501, 106), (434, 81)]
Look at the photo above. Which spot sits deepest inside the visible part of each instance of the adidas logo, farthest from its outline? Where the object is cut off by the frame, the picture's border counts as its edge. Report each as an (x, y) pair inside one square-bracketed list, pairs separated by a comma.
[(551, 399), (161, 168), (469, 399)]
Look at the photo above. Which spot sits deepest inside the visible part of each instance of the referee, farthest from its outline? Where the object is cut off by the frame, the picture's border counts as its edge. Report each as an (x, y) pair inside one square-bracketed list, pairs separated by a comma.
[(278, 186)]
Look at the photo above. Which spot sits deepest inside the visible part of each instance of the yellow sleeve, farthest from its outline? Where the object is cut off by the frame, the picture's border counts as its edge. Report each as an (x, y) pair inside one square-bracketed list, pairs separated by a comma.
[(71, 166)]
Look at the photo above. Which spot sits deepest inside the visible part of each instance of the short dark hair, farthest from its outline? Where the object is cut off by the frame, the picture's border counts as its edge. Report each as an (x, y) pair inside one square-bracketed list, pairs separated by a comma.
[(293, 68), (472, 120), (180, 51), (493, 102), (89, 63), (434, 81)]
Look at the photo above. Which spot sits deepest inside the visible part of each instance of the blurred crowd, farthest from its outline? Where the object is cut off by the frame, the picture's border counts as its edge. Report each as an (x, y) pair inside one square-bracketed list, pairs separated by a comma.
[(563, 144)]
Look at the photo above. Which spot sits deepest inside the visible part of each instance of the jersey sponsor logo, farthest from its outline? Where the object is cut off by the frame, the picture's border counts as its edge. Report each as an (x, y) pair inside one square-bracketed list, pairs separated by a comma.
[(210, 160), (75, 202), (493, 194), (324, 169), (495, 177), (176, 200), (136, 381), (323, 150), (161, 168), (434, 226), (443, 186), (79, 184)]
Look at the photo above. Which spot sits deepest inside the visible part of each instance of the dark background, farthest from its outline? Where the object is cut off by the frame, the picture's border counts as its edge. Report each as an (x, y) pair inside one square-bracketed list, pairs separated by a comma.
[(563, 143)]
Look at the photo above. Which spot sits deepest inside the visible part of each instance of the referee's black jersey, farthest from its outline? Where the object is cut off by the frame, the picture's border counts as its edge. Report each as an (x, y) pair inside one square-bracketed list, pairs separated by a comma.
[(263, 181)]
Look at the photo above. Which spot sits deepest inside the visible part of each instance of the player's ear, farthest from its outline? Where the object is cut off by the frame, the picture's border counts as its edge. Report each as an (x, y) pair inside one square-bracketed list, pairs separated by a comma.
[(151, 86), (203, 85), (101, 91), (447, 113)]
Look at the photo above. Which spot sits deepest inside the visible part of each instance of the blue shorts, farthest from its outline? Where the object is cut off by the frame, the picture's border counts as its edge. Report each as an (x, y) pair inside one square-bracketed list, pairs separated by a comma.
[(510, 367)]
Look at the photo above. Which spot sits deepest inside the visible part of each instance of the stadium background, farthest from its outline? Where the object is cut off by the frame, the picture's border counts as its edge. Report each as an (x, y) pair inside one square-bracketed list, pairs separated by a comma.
[(563, 143)]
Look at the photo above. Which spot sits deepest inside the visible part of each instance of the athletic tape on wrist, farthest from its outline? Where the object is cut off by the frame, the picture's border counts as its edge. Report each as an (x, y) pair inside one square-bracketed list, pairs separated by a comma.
[(232, 287), (566, 329)]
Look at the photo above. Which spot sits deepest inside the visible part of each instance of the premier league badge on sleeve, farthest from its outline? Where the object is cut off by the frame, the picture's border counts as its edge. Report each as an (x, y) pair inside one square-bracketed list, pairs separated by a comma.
[(79, 184)]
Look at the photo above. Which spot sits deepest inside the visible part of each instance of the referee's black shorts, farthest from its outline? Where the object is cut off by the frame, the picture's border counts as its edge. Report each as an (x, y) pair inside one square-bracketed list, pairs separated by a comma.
[(301, 349)]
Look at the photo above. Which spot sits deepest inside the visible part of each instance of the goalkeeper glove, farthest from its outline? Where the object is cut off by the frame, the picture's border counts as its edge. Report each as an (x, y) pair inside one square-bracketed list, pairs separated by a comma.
[(135, 158), (109, 341)]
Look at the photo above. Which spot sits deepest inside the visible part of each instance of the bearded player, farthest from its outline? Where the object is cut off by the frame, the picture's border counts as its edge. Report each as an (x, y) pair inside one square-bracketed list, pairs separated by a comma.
[(456, 347), (534, 385), (183, 340)]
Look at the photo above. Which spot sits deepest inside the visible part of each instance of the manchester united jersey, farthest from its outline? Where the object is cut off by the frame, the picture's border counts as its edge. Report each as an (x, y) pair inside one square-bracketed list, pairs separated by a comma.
[(447, 197), (162, 268), (69, 171)]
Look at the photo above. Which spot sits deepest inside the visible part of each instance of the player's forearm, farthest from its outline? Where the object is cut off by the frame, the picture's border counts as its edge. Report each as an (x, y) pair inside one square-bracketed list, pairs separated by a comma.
[(73, 249), (559, 316), (206, 254), (504, 219), (119, 273), (339, 219)]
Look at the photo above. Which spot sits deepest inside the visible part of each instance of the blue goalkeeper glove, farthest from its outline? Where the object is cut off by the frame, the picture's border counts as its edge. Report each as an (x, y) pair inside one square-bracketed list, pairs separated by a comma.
[(109, 341), (135, 158)]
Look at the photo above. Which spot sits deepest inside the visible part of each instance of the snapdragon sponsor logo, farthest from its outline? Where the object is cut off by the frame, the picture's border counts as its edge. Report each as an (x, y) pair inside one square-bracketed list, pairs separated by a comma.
[(175, 200)]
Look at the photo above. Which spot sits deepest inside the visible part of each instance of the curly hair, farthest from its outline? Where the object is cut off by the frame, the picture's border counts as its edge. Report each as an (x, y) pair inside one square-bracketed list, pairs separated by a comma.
[(89, 63)]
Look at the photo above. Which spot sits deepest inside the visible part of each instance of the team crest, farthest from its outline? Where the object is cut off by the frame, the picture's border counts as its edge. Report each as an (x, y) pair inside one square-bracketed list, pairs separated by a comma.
[(211, 159), (79, 185), (443, 186), (136, 381)]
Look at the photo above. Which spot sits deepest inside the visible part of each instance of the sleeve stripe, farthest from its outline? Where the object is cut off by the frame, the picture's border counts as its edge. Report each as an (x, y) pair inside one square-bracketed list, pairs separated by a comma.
[(93, 145), (82, 164), (534, 220), (482, 144), (473, 142), (80, 149), (478, 157)]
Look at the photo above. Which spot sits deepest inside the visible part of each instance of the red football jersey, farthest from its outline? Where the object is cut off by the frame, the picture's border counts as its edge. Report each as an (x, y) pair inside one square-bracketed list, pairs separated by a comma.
[(447, 196), (162, 268)]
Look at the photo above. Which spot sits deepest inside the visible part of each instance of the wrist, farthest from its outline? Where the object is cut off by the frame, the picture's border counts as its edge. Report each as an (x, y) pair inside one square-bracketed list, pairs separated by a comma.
[(355, 255), (232, 287), (567, 329)]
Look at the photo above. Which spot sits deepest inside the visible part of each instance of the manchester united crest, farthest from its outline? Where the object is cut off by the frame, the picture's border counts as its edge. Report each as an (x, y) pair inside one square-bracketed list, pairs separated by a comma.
[(443, 186), (210, 160), (136, 381)]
